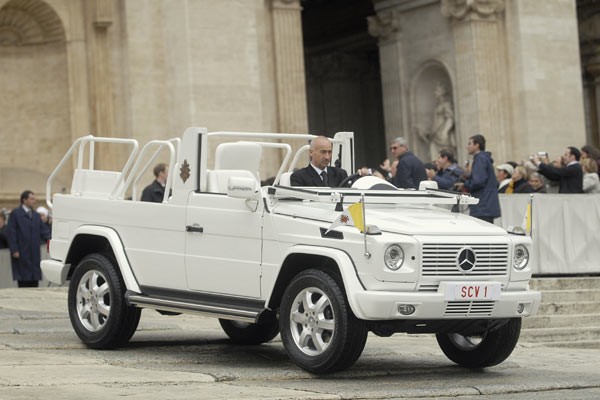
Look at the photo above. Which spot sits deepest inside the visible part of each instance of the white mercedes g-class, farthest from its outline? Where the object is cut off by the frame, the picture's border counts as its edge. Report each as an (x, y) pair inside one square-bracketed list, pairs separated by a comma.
[(263, 260)]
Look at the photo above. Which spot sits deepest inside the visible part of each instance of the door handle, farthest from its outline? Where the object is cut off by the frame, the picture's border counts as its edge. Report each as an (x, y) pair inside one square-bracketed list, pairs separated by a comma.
[(190, 228)]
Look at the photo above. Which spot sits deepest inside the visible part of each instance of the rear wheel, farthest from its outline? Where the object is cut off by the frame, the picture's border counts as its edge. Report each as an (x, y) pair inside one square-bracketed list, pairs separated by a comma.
[(249, 333), (97, 308), (486, 349), (318, 329)]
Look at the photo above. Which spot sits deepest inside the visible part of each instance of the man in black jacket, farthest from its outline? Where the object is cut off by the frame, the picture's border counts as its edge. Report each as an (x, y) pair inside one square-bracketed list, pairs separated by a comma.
[(570, 176), (319, 172), (410, 171), (155, 191)]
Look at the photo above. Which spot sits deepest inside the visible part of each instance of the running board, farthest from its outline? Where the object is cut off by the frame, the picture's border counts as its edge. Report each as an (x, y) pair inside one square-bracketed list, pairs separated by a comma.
[(179, 306)]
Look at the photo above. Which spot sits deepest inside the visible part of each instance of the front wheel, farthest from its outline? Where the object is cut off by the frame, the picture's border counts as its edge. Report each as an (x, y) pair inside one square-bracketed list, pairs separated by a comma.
[(486, 349), (318, 329), (97, 308)]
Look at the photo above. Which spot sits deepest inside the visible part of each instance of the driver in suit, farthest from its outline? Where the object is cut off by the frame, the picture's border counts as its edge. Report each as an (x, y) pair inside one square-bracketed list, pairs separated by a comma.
[(319, 172)]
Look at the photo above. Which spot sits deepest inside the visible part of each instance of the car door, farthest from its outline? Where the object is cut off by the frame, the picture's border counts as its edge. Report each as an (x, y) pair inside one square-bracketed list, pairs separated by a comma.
[(223, 245)]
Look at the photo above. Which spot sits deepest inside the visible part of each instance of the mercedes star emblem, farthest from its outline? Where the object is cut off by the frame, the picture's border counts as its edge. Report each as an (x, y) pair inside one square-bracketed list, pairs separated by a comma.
[(466, 259)]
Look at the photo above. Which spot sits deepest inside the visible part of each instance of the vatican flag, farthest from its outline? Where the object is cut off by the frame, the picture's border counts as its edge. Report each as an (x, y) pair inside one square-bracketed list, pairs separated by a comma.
[(353, 215), (526, 224)]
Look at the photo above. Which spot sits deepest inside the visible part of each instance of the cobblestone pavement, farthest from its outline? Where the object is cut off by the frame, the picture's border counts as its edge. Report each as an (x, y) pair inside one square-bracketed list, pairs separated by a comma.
[(180, 357)]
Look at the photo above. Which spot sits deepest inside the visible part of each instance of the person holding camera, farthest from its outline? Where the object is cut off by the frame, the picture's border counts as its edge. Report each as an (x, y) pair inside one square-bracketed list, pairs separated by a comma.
[(448, 173), (482, 183), (570, 175)]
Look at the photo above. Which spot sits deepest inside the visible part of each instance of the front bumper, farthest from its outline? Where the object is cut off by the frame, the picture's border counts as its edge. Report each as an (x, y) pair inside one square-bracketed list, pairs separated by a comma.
[(377, 305)]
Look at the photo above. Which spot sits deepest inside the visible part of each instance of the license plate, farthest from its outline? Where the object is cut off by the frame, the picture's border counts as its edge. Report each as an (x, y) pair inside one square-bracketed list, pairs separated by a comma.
[(472, 290)]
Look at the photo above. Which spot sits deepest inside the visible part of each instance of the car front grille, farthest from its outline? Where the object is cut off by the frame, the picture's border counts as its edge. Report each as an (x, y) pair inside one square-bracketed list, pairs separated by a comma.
[(469, 309), (439, 259)]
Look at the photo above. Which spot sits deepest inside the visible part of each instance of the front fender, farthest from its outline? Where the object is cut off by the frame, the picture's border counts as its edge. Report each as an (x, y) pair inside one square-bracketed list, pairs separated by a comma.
[(347, 270)]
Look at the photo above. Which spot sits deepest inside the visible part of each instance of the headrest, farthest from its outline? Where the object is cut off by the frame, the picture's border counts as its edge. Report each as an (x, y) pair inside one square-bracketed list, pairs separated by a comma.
[(238, 155)]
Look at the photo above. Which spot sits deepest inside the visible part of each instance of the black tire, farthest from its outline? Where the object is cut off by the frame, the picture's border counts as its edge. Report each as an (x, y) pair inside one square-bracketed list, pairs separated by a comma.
[(494, 347), (248, 333), (336, 349), (102, 331)]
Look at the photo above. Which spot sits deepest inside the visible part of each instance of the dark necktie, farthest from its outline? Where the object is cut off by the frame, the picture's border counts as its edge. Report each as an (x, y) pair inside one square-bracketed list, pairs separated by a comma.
[(324, 176), (29, 213)]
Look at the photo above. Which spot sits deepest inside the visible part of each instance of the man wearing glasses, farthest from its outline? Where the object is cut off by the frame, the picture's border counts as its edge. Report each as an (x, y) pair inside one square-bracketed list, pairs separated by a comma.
[(410, 171)]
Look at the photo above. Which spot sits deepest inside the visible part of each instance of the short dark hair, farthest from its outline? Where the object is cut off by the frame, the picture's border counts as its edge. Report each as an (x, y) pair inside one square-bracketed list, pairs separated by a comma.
[(480, 140), (25, 195), (575, 152), (448, 154), (162, 167)]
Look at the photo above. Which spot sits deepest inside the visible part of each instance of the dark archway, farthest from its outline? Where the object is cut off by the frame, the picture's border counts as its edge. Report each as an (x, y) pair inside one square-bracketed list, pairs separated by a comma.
[(343, 83)]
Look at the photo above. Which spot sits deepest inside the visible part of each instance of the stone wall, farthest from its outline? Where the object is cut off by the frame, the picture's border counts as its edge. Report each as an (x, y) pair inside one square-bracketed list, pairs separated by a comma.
[(512, 68)]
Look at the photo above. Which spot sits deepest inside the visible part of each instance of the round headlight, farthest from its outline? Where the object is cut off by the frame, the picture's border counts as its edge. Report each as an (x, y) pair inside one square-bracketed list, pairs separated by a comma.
[(394, 257), (521, 257)]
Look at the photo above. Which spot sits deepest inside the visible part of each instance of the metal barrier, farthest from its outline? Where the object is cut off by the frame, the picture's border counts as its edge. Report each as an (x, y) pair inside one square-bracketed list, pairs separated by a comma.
[(565, 230)]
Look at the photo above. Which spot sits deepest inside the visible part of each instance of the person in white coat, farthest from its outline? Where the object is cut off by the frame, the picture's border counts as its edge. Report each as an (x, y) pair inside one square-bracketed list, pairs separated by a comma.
[(591, 183)]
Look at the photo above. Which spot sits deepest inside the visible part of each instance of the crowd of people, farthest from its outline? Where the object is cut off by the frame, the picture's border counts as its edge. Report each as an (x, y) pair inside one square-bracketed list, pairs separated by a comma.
[(576, 171)]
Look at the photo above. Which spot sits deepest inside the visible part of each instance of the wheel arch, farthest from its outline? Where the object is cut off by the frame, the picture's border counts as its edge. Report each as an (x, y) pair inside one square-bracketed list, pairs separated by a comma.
[(99, 239), (334, 261)]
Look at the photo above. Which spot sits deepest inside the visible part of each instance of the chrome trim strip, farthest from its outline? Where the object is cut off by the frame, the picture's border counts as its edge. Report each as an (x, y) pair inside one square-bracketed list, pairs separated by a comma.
[(179, 306)]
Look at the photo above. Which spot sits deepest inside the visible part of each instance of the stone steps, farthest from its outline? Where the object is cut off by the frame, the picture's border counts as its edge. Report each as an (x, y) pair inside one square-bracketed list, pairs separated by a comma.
[(558, 321), (562, 334), (590, 282), (569, 308), (569, 314), (582, 344), (570, 295)]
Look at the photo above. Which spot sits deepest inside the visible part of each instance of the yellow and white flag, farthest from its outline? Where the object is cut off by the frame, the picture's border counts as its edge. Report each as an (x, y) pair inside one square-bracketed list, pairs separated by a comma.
[(526, 224), (353, 215)]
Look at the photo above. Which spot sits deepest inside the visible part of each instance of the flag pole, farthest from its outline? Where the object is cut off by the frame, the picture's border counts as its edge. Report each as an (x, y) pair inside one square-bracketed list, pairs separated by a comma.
[(530, 214), (364, 221)]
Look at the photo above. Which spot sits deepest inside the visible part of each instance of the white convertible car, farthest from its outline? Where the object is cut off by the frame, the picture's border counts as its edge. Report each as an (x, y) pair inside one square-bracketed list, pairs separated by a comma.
[(263, 260)]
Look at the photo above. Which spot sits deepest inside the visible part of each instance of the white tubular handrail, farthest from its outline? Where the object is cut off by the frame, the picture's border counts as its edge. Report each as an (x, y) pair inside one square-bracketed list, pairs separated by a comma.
[(91, 140), (59, 167), (261, 135), (81, 142), (161, 144), (297, 157)]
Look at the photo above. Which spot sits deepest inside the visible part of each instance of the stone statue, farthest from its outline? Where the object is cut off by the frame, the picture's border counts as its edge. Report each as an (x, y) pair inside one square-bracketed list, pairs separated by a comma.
[(441, 135)]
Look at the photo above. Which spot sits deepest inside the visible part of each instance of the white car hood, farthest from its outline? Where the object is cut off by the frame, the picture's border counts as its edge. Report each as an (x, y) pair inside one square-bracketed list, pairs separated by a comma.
[(405, 220)]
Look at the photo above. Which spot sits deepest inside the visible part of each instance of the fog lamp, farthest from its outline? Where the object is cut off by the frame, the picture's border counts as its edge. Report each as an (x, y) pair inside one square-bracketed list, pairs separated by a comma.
[(520, 308), (406, 309)]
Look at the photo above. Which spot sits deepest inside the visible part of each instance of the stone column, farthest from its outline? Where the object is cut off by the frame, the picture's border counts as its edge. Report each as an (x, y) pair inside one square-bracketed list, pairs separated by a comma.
[(78, 72), (386, 27), (289, 66), (103, 107), (593, 89), (481, 83)]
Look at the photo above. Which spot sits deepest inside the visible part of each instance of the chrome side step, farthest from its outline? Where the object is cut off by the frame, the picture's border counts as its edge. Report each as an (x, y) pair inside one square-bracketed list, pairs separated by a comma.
[(211, 310)]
